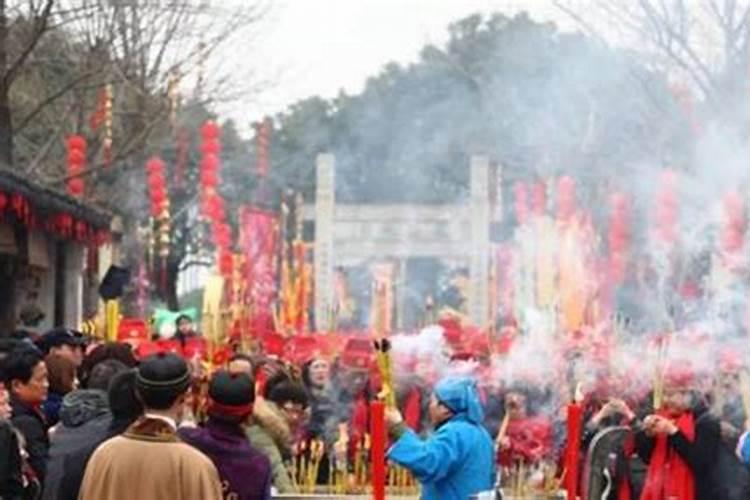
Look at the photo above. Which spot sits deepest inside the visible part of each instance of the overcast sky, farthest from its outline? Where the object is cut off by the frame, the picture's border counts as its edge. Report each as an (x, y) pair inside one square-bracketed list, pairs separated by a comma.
[(316, 47)]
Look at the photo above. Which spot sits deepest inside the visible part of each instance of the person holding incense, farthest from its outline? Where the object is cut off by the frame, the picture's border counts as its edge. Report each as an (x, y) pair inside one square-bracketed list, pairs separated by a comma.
[(526, 438), (456, 461), (679, 442)]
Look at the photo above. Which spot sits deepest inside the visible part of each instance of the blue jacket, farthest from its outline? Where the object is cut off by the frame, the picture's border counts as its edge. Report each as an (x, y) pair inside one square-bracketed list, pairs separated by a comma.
[(452, 464)]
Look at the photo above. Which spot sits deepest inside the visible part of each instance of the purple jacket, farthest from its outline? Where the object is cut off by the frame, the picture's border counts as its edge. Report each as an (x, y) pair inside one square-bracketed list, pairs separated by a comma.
[(245, 472)]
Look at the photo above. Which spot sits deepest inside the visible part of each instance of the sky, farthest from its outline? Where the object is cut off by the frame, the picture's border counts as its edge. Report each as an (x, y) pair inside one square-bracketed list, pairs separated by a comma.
[(304, 48)]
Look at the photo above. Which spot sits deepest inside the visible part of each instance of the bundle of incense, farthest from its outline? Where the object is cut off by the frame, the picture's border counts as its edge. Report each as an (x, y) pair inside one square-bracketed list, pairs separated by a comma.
[(317, 448), (661, 360), (295, 466), (358, 463), (302, 471), (503, 430), (382, 350)]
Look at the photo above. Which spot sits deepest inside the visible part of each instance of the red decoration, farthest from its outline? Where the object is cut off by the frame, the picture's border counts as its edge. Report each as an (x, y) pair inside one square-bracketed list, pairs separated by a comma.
[(734, 223), (210, 130), (76, 164), (521, 199), (566, 198), (539, 198), (377, 457), (666, 208), (572, 452)]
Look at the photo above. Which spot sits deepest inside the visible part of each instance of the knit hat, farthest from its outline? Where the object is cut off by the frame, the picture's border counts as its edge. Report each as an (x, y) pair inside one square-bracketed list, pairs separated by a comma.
[(231, 394), (163, 371)]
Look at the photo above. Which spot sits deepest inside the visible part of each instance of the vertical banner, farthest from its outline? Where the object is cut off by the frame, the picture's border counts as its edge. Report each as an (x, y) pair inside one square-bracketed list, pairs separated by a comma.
[(258, 242)]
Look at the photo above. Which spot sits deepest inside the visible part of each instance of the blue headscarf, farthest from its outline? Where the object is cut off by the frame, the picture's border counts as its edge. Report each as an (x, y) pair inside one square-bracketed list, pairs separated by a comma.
[(461, 397)]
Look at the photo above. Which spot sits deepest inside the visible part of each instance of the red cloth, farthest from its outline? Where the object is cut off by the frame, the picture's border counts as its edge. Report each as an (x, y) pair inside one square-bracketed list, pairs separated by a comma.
[(668, 476), (530, 441)]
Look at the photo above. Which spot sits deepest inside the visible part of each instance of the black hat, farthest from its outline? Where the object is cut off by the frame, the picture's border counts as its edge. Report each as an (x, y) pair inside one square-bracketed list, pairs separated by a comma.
[(113, 283), (60, 336), (163, 371), (231, 394)]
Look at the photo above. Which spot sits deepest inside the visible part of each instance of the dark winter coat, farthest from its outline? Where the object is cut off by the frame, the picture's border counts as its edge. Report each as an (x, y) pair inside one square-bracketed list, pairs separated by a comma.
[(51, 408), (11, 471), (84, 420), (74, 466), (700, 454), (244, 471), (31, 423)]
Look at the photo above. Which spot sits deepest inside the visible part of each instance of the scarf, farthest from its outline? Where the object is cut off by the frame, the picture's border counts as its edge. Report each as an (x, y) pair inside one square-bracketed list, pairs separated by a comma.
[(668, 476)]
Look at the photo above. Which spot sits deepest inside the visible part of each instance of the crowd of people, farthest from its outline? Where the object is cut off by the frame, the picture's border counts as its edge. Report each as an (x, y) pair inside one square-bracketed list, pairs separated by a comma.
[(82, 418)]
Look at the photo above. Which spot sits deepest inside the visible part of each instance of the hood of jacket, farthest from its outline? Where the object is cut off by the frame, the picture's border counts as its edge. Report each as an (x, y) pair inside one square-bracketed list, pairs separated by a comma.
[(81, 406), (270, 417)]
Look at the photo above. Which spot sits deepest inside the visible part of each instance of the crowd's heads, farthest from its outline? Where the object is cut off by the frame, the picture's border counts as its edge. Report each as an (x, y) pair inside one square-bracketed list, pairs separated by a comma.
[(123, 400), (63, 342), (291, 397), (231, 396), (102, 374), (242, 363), (316, 373), (61, 372), (118, 351), (26, 375), (162, 381)]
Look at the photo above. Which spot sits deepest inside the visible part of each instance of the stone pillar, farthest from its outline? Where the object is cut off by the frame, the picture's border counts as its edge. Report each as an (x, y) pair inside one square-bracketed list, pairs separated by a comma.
[(73, 285), (325, 204), (480, 242)]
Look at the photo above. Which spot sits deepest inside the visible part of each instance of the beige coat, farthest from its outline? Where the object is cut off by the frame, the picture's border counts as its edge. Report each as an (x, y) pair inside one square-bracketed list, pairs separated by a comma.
[(149, 462)]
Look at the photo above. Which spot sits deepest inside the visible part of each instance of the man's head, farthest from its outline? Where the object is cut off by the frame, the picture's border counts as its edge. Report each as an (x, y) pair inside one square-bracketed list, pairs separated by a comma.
[(438, 412), (123, 400), (63, 342), (231, 396), (61, 374), (516, 404), (242, 363), (456, 397), (111, 350), (26, 375), (291, 398), (162, 381), (679, 385)]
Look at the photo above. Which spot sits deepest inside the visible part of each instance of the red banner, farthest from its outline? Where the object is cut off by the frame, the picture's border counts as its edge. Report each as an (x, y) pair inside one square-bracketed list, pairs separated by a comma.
[(258, 240)]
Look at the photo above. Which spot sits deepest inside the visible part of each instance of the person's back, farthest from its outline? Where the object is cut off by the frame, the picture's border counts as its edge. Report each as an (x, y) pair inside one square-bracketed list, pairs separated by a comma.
[(244, 471), (457, 460), (468, 470), (149, 461)]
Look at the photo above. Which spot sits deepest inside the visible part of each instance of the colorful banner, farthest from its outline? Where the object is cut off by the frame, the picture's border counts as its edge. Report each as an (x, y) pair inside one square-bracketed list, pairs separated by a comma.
[(258, 241)]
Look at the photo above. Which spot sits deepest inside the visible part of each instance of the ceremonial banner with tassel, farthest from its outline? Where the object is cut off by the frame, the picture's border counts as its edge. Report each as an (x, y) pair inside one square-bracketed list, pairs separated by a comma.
[(258, 241)]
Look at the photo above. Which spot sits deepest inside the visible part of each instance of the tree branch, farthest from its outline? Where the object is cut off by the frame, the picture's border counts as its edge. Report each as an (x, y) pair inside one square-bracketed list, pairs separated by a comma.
[(40, 27)]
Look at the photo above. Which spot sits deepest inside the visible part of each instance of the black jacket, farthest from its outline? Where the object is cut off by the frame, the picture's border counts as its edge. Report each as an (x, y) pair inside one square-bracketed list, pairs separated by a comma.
[(30, 422), (700, 454), (11, 474)]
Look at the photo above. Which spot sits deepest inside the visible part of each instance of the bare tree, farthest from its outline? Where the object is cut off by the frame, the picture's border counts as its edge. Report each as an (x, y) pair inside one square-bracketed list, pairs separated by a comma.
[(705, 44)]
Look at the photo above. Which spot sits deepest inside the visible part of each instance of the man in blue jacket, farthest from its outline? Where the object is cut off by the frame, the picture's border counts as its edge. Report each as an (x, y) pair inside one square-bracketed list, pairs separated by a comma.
[(456, 461)]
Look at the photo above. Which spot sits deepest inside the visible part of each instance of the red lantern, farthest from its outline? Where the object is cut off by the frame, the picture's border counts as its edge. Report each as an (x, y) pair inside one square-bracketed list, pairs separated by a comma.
[(209, 178), (566, 198), (76, 164), (226, 263), (521, 202), (734, 222), (210, 130), (211, 147)]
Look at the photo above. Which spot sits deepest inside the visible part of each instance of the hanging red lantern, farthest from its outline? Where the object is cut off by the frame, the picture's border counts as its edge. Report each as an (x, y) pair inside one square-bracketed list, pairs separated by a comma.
[(521, 202), (666, 208), (566, 198), (211, 147), (734, 222), (76, 157), (210, 130), (209, 178), (539, 198)]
